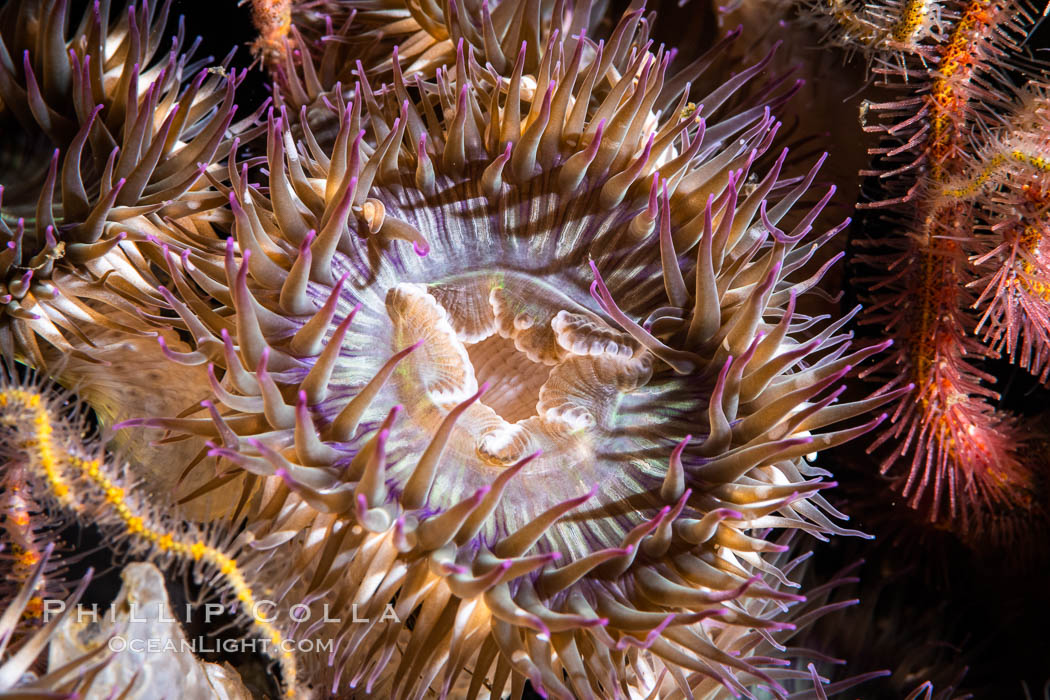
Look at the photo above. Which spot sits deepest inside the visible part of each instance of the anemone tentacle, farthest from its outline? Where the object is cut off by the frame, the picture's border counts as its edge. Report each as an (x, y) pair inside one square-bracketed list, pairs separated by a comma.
[(114, 139)]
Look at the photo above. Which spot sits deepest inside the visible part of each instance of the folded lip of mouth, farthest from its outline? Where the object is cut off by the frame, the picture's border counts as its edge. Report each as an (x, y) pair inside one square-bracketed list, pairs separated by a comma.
[(553, 370)]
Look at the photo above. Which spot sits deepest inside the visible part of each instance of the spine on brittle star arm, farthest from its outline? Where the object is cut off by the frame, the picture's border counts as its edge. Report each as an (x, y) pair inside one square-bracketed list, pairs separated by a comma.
[(946, 432), (871, 27), (973, 47), (1010, 186), (25, 538), (913, 18), (273, 20), (991, 168), (37, 433)]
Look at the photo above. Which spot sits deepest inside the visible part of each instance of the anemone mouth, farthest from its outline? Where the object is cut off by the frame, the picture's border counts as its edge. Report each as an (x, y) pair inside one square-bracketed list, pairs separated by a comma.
[(543, 373), (514, 381)]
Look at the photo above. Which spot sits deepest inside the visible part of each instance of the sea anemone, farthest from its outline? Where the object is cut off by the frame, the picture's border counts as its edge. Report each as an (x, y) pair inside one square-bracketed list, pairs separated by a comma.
[(459, 357), (332, 45), (421, 37), (72, 218)]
